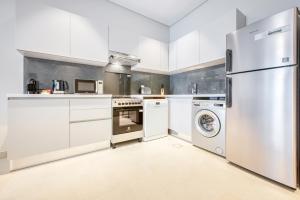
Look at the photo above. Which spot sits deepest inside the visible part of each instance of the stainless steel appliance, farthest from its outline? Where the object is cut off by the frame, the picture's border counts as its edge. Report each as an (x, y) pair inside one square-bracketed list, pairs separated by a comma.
[(262, 85), (60, 87), (127, 119), (88, 86), (145, 90)]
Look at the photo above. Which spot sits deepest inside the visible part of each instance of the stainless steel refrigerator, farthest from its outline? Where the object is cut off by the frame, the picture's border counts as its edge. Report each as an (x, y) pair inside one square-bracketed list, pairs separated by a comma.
[(262, 87)]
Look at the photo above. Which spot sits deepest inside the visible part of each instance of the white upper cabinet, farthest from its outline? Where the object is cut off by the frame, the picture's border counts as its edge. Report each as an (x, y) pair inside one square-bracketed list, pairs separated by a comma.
[(123, 41), (213, 35), (164, 56), (188, 50), (46, 32), (149, 53), (172, 56), (42, 29), (154, 55), (89, 40)]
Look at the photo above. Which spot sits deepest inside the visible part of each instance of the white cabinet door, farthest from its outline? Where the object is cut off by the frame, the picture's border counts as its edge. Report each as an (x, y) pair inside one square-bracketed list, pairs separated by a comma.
[(37, 126), (43, 29), (124, 41), (164, 57), (149, 53), (172, 56), (180, 117), (188, 50), (89, 132), (89, 40), (213, 37)]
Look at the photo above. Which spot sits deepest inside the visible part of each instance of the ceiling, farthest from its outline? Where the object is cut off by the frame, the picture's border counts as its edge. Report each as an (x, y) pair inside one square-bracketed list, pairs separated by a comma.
[(166, 12)]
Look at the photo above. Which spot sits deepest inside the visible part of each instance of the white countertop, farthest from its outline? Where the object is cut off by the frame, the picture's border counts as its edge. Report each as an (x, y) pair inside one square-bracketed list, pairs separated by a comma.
[(181, 95), (55, 96), (50, 96)]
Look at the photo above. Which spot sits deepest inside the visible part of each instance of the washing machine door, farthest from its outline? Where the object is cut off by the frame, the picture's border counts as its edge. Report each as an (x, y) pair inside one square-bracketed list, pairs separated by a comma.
[(207, 123)]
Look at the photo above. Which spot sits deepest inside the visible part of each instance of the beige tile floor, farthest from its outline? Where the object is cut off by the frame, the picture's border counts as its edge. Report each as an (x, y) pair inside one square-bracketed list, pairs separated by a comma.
[(158, 170)]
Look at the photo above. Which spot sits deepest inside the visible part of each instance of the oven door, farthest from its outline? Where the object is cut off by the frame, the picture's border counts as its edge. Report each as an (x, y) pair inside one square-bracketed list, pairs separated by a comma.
[(126, 120)]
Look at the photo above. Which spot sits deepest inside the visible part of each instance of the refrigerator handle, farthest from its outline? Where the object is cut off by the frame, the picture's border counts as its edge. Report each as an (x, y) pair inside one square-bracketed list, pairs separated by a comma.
[(228, 92), (228, 60)]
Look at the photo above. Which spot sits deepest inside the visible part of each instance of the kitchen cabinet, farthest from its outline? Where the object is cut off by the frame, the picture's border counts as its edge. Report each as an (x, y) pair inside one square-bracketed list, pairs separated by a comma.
[(154, 56), (212, 36), (46, 32), (164, 57), (90, 121), (172, 56), (89, 40), (123, 41), (188, 50), (180, 117), (42, 29), (44, 125), (89, 132), (149, 53), (37, 126)]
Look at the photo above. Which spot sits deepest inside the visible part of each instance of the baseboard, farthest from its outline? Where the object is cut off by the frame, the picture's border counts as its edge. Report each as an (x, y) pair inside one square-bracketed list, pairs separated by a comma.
[(57, 155), (4, 166), (181, 136), (147, 139)]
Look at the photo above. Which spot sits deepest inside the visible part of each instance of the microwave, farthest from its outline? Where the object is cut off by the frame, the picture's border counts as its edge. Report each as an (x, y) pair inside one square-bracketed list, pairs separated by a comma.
[(88, 86)]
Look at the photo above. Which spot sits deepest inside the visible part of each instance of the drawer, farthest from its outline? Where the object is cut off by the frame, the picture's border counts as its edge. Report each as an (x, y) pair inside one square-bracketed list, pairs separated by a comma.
[(79, 104), (90, 114), (84, 133)]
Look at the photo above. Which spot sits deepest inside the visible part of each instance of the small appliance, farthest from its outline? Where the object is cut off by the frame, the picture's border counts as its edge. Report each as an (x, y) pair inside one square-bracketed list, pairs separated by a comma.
[(85, 86), (145, 90), (33, 87), (99, 87), (60, 87)]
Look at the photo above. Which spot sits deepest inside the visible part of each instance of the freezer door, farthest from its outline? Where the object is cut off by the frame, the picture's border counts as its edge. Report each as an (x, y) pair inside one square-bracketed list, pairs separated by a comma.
[(269, 43), (261, 123)]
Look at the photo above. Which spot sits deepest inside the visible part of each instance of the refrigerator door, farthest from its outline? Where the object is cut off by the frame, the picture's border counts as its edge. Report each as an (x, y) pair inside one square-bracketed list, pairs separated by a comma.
[(261, 123), (269, 43)]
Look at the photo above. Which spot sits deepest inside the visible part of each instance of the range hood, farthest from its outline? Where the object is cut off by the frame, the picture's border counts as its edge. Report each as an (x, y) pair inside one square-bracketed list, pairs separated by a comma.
[(123, 59), (121, 63)]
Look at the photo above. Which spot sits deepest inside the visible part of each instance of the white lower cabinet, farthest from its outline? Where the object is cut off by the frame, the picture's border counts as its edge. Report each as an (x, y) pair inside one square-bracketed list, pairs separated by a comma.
[(37, 126), (180, 117), (44, 125), (89, 132)]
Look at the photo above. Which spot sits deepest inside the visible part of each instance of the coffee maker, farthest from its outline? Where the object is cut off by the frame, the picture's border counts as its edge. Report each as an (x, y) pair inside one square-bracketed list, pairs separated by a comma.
[(33, 87)]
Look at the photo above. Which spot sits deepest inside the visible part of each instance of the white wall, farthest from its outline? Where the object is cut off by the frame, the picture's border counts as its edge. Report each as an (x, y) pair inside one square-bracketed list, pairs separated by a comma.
[(11, 62), (213, 9)]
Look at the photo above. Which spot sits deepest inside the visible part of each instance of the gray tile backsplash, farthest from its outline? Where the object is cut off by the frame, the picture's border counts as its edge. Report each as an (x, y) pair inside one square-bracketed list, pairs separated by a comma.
[(45, 71), (209, 80)]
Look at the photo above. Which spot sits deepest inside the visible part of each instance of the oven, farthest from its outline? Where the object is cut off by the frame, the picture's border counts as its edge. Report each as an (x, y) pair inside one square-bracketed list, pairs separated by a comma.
[(127, 120)]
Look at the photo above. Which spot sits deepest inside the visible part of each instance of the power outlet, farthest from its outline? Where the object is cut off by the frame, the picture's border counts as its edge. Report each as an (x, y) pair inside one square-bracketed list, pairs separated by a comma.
[(3, 155)]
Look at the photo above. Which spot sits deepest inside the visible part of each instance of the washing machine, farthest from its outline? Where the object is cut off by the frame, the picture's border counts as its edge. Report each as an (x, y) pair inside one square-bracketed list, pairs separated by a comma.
[(209, 123)]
